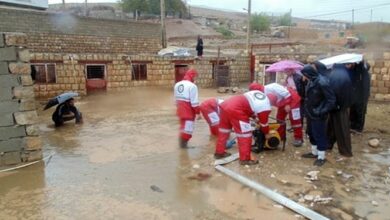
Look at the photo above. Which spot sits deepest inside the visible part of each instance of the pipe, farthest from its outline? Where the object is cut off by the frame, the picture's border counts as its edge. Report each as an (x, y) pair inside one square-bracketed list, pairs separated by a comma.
[(27, 164), (308, 213)]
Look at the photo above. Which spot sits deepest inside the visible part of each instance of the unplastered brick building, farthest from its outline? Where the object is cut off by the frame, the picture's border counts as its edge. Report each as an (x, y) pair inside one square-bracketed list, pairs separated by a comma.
[(86, 54)]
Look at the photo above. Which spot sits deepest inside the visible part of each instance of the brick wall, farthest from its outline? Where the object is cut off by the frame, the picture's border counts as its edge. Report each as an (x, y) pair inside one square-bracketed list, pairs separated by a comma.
[(55, 33), (261, 60), (380, 78), (19, 136), (70, 71)]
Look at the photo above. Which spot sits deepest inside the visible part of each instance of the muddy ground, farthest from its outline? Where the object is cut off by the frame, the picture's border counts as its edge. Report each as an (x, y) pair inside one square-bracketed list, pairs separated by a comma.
[(124, 163)]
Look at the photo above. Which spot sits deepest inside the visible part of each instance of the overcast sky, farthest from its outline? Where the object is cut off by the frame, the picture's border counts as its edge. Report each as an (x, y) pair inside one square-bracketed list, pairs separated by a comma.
[(320, 9)]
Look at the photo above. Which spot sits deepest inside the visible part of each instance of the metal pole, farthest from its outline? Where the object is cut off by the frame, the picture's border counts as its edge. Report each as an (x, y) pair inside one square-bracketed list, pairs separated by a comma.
[(63, 4), (371, 16), (86, 8), (353, 17), (289, 24), (163, 31), (308, 213), (249, 27)]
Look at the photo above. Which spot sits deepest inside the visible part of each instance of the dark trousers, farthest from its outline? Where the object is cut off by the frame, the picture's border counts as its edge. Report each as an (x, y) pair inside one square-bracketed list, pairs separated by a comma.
[(339, 131), (358, 116), (316, 129)]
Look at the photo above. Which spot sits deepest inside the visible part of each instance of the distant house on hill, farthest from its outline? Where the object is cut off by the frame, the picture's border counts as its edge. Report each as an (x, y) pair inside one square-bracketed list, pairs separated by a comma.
[(36, 4)]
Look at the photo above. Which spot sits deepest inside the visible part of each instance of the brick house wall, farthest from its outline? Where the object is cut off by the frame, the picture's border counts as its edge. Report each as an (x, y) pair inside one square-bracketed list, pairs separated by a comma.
[(19, 134), (70, 71), (55, 33)]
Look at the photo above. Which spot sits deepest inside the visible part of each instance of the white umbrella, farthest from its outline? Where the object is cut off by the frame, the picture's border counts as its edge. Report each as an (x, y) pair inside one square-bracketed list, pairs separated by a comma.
[(342, 59)]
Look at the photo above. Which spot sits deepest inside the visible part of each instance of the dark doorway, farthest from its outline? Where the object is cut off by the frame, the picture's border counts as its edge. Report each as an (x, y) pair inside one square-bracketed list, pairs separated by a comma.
[(96, 77)]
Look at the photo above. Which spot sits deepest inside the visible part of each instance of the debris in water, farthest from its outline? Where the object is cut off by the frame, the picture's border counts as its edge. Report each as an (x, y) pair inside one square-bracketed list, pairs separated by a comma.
[(322, 200), (308, 197), (312, 175), (284, 181), (273, 175), (200, 176), (301, 200), (347, 176), (373, 142), (278, 206), (298, 216), (156, 188), (374, 203), (196, 166), (339, 172)]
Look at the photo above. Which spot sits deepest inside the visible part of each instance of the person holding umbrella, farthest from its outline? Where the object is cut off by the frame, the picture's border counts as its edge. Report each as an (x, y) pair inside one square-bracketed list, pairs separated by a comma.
[(66, 110)]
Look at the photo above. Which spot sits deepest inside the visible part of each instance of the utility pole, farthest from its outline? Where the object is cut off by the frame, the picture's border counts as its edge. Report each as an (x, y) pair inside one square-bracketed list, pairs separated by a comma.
[(163, 31), (249, 27), (289, 23), (371, 16), (63, 4), (353, 17), (86, 8)]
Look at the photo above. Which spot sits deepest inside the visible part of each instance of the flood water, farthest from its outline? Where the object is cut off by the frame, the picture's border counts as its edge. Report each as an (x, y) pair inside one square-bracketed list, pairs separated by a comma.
[(124, 163)]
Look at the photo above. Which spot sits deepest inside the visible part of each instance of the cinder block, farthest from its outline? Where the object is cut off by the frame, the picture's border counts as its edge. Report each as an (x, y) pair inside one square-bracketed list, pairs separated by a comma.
[(16, 39), (12, 132), (24, 92), (34, 155), (26, 118), (20, 68), (1, 40), (11, 158), (14, 144), (27, 105), (8, 54), (8, 81), (32, 143), (32, 130), (4, 68)]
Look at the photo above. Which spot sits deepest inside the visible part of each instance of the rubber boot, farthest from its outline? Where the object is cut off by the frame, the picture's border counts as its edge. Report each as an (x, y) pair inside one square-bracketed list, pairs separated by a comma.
[(183, 143)]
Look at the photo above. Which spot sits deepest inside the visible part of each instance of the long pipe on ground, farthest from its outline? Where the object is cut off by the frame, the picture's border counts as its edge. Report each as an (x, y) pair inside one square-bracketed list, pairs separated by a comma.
[(308, 213), (27, 164)]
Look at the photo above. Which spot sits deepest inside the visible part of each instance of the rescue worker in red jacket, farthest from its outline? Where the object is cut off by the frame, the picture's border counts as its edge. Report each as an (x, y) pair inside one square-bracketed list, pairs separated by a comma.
[(288, 101), (187, 103), (235, 113), (210, 111)]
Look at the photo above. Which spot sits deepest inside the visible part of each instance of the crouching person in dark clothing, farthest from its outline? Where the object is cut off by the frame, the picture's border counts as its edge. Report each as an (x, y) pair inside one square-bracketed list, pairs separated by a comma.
[(66, 112), (319, 100)]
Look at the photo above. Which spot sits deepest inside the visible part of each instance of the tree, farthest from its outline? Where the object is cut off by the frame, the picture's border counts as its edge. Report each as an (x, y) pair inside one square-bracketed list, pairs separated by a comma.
[(153, 6), (285, 20), (260, 22), (135, 6)]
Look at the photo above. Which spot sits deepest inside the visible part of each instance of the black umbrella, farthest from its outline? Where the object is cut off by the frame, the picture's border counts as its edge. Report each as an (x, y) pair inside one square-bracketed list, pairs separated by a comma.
[(60, 99)]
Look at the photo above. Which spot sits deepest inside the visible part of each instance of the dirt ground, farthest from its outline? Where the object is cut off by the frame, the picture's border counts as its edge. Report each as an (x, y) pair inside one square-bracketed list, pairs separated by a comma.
[(124, 163)]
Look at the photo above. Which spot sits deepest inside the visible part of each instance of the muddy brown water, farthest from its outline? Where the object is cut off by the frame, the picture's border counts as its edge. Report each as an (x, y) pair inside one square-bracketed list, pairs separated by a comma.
[(124, 163)]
